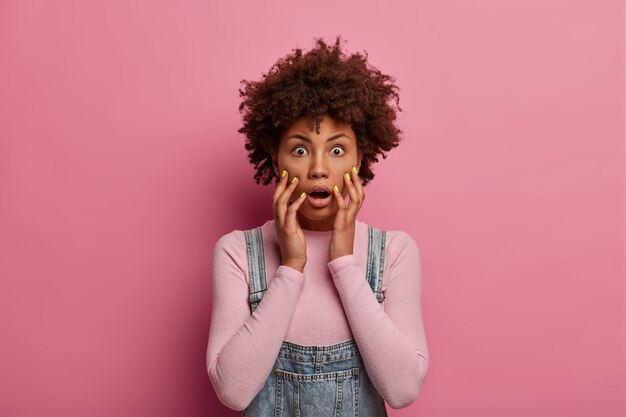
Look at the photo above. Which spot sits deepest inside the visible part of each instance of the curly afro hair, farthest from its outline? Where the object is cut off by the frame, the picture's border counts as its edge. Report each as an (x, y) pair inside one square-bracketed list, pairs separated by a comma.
[(324, 81)]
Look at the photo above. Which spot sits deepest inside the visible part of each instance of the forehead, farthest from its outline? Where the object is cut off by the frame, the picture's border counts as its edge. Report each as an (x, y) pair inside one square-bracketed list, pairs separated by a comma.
[(327, 125)]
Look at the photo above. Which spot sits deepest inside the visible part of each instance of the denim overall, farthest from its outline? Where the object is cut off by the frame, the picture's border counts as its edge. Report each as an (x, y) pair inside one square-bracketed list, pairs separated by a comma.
[(316, 381)]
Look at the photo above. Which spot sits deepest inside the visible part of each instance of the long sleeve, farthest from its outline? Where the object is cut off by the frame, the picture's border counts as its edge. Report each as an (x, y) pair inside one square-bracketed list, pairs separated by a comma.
[(242, 347), (390, 338)]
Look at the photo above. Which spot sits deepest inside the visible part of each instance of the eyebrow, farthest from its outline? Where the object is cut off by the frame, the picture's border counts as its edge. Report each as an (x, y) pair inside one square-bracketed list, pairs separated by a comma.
[(297, 136)]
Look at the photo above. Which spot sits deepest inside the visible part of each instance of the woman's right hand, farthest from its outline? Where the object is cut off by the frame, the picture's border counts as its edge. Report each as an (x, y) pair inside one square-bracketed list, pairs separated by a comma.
[(288, 230)]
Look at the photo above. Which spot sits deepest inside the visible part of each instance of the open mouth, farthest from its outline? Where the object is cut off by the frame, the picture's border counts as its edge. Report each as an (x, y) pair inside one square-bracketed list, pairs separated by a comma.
[(319, 194), (319, 199)]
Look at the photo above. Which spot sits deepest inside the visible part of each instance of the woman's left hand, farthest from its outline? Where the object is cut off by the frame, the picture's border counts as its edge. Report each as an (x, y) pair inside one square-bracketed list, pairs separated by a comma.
[(342, 241)]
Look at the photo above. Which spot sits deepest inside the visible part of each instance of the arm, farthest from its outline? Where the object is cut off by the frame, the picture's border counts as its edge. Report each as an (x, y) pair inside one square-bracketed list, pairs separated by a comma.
[(243, 347), (391, 340)]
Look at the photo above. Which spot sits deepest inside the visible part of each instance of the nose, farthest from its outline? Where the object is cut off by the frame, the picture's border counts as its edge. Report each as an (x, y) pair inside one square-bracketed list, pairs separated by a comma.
[(319, 167)]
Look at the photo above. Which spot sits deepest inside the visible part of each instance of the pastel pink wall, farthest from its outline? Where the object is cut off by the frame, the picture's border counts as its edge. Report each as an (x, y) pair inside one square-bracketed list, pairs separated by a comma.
[(121, 165)]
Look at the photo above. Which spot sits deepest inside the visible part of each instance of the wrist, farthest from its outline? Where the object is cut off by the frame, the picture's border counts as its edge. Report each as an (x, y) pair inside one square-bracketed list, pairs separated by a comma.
[(297, 265), (339, 255)]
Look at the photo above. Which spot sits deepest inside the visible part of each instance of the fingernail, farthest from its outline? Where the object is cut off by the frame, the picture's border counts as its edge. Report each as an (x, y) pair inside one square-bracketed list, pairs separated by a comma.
[(355, 171), (347, 175), (294, 179), (283, 173), (336, 188), (303, 194)]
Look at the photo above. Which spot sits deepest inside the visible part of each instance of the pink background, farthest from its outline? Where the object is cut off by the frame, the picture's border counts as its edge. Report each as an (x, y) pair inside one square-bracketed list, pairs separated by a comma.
[(121, 165)]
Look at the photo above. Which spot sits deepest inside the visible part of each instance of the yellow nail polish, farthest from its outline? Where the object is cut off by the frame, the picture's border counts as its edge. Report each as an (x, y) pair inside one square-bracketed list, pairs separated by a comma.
[(294, 179), (336, 188), (283, 173), (303, 194), (355, 171), (347, 175)]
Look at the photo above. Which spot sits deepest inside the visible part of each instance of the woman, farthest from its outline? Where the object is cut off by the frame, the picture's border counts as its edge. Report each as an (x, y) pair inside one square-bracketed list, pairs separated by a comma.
[(299, 326)]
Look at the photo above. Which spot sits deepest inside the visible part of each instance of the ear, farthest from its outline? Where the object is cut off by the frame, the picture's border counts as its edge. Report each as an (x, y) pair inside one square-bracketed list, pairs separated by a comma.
[(358, 164)]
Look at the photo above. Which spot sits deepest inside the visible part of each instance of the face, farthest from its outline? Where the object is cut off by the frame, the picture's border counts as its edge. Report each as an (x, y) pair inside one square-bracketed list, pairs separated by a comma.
[(317, 160)]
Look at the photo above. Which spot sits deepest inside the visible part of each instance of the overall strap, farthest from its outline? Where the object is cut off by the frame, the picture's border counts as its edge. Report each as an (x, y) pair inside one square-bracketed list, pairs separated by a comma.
[(256, 265), (376, 260)]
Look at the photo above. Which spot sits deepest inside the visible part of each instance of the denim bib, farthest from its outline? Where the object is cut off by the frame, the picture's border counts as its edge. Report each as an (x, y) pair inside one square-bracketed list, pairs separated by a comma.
[(316, 381)]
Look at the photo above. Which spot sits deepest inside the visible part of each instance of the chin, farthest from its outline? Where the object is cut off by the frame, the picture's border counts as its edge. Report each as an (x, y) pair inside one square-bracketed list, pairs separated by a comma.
[(321, 214)]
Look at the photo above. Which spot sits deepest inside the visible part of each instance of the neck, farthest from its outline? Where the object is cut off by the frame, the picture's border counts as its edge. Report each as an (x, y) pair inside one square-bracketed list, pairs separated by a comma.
[(323, 225)]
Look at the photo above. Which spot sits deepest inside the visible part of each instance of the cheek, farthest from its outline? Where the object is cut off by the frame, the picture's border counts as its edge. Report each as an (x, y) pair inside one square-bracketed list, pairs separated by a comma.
[(346, 163), (287, 163), (341, 168)]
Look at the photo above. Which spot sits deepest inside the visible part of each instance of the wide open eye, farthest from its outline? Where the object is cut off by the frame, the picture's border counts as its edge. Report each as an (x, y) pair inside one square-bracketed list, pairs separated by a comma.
[(338, 153), (299, 151)]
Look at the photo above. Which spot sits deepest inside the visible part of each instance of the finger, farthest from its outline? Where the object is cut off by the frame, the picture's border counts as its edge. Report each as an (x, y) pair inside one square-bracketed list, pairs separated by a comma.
[(290, 218), (358, 183), (339, 198), (355, 200), (280, 186), (281, 203)]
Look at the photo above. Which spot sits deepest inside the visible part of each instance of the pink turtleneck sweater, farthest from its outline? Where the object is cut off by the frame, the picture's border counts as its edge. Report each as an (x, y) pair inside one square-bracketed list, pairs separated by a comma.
[(328, 303)]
